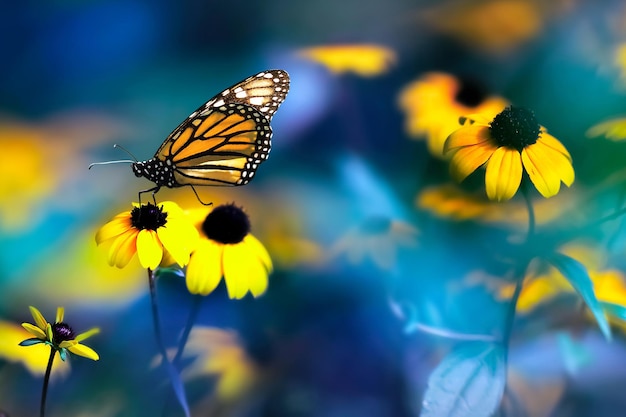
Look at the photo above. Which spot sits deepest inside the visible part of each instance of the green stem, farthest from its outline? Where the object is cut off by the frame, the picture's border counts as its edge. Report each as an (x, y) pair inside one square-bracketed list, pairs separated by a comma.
[(46, 379), (191, 319)]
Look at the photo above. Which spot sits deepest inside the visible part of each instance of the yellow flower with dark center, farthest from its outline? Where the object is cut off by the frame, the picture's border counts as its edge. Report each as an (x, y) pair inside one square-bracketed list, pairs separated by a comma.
[(58, 335), (434, 103), (227, 249), (148, 231), (612, 129), (509, 144), (366, 60)]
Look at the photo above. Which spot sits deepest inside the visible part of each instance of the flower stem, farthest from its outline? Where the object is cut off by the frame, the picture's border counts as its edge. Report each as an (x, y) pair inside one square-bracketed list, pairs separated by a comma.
[(191, 319), (46, 379)]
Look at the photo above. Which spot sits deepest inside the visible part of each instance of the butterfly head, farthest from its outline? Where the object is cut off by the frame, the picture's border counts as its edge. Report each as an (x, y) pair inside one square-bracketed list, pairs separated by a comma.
[(138, 169)]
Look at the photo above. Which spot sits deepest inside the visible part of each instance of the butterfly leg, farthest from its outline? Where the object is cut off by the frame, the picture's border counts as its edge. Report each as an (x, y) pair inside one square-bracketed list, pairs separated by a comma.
[(153, 190), (198, 197)]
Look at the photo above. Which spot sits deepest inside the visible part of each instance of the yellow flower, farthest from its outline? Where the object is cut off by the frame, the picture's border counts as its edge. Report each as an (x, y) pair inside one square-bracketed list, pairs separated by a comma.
[(220, 353), (148, 230), (59, 335), (511, 143), (227, 249), (366, 60), (33, 359), (613, 129), (434, 103), (377, 238)]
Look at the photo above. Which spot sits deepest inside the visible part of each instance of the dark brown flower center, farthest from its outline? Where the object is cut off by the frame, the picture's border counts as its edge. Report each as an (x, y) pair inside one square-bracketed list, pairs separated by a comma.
[(470, 93), (148, 216), (62, 332), (515, 127), (226, 224)]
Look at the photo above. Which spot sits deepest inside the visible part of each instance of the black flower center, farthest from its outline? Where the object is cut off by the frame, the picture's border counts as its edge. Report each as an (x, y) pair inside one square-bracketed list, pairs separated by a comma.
[(148, 216), (515, 127), (470, 93), (226, 224), (62, 332)]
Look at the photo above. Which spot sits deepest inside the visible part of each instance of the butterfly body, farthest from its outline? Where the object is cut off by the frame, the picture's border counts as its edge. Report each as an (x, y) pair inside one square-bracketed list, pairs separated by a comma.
[(224, 141)]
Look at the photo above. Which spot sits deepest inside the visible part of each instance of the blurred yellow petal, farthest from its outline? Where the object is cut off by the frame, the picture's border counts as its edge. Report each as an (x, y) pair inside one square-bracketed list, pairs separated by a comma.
[(60, 315), (236, 270), (123, 249), (504, 174), (613, 129), (256, 247), (35, 331), (84, 351), (149, 249), (205, 271), (40, 320), (469, 136), (179, 238), (468, 159), (547, 168), (114, 228), (366, 60)]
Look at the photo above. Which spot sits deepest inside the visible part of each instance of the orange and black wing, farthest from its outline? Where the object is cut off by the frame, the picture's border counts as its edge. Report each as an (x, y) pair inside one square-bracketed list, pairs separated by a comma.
[(224, 141)]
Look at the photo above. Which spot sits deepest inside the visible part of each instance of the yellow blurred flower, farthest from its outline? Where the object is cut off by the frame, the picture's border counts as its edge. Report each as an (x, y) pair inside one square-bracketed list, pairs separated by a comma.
[(613, 129), (434, 103), (227, 249), (58, 335), (219, 353), (366, 60), (544, 284), (148, 231), (377, 239), (34, 359), (451, 202), (491, 25), (507, 145)]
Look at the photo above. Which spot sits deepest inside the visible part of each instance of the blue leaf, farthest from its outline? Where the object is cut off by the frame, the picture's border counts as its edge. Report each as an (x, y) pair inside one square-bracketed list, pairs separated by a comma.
[(30, 342), (577, 275), (614, 310), (469, 382)]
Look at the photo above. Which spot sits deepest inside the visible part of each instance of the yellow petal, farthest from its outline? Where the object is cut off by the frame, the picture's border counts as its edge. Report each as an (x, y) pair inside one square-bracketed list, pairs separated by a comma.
[(546, 168), (149, 249), (87, 334), (115, 227), (468, 159), (179, 238), (60, 315), (504, 174), (365, 60), (204, 270), (123, 248), (40, 320), (35, 331), (257, 247), (552, 142), (236, 270), (84, 351), (467, 136)]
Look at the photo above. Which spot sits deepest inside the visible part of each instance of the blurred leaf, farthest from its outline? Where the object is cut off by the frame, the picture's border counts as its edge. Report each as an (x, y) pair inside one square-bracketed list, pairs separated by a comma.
[(575, 355), (469, 382), (577, 275), (614, 310)]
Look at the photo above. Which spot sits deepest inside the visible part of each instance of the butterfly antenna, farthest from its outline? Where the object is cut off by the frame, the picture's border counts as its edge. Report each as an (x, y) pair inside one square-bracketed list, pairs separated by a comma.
[(198, 197), (128, 161)]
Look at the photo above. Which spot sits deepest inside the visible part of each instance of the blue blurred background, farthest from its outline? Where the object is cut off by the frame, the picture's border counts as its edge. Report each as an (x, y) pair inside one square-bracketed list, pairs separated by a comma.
[(337, 333)]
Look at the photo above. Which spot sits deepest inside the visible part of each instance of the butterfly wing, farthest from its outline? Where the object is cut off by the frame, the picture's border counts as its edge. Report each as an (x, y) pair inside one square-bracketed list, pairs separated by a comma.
[(224, 141)]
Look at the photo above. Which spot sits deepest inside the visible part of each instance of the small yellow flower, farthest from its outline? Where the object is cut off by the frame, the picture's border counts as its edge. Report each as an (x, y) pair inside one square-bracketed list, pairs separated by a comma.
[(227, 249), (434, 103), (509, 144), (378, 239), (148, 231), (59, 335), (364, 60)]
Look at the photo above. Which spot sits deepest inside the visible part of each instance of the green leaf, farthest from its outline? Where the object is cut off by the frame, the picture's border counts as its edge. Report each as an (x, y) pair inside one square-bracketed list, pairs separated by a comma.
[(577, 275), (30, 342), (469, 382), (614, 310)]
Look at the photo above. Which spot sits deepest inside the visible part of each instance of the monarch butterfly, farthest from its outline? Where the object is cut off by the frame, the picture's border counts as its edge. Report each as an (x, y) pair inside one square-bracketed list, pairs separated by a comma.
[(223, 142)]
